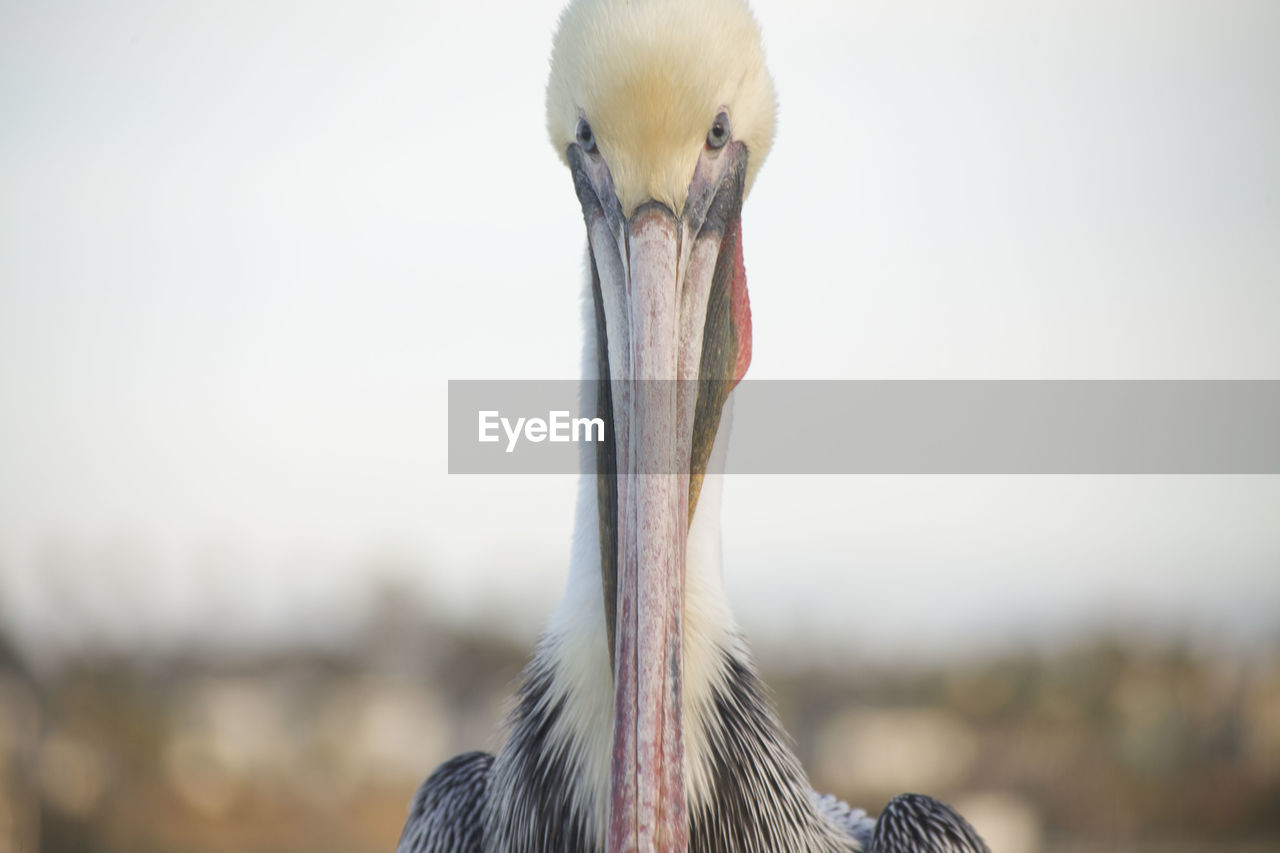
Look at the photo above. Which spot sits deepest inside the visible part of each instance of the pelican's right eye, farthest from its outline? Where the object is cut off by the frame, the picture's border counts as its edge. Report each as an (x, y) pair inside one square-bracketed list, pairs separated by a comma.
[(585, 137)]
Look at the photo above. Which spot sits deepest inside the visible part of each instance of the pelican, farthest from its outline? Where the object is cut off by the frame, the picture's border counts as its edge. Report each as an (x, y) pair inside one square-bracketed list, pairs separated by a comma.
[(641, 722)]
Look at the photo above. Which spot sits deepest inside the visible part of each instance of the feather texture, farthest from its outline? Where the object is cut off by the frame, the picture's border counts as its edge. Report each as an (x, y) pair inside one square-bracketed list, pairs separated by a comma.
[(532, 799), (650, 77)]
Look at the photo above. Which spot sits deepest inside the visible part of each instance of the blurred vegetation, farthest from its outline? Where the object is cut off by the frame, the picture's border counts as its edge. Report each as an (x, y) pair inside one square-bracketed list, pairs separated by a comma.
[(1110, 745)]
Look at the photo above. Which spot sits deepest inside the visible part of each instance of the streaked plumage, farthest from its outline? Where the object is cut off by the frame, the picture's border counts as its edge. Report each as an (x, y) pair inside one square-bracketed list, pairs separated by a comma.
[(634, 87), (917, 822), (759, 800)]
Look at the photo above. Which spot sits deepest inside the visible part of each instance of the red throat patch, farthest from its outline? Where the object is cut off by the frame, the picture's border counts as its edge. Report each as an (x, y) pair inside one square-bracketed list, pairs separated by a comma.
[(740, 306)]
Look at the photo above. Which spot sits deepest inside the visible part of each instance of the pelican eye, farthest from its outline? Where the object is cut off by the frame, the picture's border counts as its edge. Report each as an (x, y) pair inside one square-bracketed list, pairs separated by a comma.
[(718, 135), (585, 137)]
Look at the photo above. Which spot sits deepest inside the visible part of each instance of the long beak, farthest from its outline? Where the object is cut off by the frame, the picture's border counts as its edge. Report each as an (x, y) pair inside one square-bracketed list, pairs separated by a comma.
[(648, 795), (675, 336)]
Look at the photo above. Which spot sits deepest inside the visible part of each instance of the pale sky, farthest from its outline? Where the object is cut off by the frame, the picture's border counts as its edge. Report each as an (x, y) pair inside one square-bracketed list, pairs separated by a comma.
[(243, 246)]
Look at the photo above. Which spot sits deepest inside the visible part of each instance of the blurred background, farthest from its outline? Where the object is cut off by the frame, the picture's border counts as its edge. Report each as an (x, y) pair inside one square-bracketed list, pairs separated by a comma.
[(243, 247)]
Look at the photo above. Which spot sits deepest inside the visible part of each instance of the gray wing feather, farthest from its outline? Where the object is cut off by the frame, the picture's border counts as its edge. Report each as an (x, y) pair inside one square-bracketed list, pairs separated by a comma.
[(853, 822), (914, 823), (447, 812)]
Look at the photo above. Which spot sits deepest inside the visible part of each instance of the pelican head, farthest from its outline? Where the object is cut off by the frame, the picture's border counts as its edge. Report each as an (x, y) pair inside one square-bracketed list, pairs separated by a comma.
[(663, 111)]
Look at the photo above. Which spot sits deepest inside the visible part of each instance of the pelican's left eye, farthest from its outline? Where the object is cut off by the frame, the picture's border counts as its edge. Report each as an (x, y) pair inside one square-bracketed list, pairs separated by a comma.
[(718, 135)]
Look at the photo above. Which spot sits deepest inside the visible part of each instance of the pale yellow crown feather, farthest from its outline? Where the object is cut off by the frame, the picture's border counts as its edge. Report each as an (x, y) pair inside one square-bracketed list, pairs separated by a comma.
[(650, 76)]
